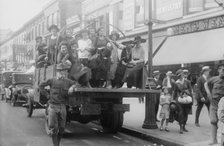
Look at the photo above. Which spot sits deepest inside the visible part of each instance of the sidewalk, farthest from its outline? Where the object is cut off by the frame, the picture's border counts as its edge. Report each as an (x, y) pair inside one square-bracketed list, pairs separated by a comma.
[(197, 136)]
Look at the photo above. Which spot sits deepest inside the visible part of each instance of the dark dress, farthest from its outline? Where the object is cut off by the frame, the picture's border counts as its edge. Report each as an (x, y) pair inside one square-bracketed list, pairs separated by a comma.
[(41, 55), (52, 48), (101, 65), (183, 109), (121, 68)]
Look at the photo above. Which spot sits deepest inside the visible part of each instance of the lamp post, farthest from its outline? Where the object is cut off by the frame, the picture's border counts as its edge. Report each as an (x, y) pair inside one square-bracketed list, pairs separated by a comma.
[(150, 120), (150, 114)]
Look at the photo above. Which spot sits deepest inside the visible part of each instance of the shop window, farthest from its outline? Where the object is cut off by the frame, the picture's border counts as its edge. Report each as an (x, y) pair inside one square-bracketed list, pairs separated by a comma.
[(139, 12), (195, 6)]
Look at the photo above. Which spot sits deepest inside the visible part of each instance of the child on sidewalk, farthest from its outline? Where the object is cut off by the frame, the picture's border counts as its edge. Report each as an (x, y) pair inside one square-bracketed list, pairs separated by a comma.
[(221, 118), (165, 99)]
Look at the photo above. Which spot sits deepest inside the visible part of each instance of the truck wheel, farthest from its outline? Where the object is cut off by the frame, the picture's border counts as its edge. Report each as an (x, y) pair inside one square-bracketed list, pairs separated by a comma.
[(29, 108), (111, 123), (46, 125)]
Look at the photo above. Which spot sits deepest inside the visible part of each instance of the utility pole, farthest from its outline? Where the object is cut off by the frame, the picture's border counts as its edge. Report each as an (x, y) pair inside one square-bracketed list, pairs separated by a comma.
[(150, 117)]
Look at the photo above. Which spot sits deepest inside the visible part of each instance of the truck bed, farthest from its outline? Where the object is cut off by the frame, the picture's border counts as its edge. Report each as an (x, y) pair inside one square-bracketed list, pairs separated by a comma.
[(108, 93)]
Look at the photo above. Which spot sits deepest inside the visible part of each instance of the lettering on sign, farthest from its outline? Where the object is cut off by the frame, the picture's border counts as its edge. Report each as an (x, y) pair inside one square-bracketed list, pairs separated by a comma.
[(168, 10), (201, 25)]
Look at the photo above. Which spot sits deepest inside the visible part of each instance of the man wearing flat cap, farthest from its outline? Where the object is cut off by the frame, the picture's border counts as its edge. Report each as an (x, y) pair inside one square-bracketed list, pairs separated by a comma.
[(201, 95), (60, 86), (215, 91)]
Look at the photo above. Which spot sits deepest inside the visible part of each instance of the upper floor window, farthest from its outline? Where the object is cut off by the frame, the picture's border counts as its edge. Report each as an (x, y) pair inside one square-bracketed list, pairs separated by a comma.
[(139, 12), (55, 18), (210, 4), (195, 6)]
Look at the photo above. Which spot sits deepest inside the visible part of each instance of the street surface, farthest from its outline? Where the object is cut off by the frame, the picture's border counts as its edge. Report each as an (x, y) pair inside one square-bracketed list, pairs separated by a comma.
[(16, 129)]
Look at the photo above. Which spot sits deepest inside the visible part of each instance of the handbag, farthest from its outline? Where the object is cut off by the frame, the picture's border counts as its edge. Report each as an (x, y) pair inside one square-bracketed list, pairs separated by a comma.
[(185, 99)]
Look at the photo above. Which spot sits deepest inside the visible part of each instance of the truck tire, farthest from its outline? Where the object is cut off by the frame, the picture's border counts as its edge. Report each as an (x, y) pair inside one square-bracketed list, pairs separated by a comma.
[(112, 123), (29, 108)]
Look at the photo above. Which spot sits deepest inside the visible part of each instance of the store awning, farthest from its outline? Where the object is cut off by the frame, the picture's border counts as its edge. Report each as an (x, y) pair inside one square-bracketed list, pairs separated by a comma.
[(192, 48)]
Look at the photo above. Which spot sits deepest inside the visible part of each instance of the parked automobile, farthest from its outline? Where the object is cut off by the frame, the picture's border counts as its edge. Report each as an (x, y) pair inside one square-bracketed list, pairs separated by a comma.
[(22, 83), (6, 84)]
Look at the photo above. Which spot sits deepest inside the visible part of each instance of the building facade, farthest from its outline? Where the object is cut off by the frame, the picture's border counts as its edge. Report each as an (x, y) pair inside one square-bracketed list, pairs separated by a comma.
[(191, 21), (197, 28), (19, 49)]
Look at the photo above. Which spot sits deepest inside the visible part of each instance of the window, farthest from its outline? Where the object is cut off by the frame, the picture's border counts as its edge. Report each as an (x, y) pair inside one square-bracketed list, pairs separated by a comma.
[(48, 21), (195, 6), (139, 12), (43, 28), (210, 4), (55, 18), (52, 18), (116, 16), (35, 32), (58, 19), (39, 30)]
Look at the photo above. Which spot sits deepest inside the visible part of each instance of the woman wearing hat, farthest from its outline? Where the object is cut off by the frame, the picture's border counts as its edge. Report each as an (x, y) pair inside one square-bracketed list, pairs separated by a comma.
[(41, 51), (53, 43), (134, 75), (100, 70), (78, 72), (123, 63), (182, 88), (113, 46)]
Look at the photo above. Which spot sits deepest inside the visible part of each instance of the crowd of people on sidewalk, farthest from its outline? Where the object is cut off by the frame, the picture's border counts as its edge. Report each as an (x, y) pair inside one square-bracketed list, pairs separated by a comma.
[(179, 93)]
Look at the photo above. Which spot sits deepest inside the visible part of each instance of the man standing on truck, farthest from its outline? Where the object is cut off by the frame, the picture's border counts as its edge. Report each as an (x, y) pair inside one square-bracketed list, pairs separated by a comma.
[(60, 86)]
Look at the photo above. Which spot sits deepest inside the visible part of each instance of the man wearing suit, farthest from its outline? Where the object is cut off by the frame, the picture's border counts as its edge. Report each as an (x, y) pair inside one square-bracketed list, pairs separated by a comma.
[(201, 95)]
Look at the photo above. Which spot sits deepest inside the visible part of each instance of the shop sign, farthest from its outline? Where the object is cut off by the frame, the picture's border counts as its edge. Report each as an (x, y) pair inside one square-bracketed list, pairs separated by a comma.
[(200, 25), (74, 19), (169, 9)]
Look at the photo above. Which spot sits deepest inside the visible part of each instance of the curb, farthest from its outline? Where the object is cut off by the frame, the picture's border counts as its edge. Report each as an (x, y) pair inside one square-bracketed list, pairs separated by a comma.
[(150, 138)]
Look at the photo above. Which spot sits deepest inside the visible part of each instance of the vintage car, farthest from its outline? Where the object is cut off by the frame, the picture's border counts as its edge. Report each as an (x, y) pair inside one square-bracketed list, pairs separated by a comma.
[(7, 84), (22, 83)]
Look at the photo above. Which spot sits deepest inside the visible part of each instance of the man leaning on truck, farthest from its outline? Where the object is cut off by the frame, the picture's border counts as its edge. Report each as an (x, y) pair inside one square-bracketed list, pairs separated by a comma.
[(60, 86)]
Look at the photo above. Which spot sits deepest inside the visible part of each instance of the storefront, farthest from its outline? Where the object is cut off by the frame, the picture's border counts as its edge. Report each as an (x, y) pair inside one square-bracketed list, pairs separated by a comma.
[(193, 45)]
